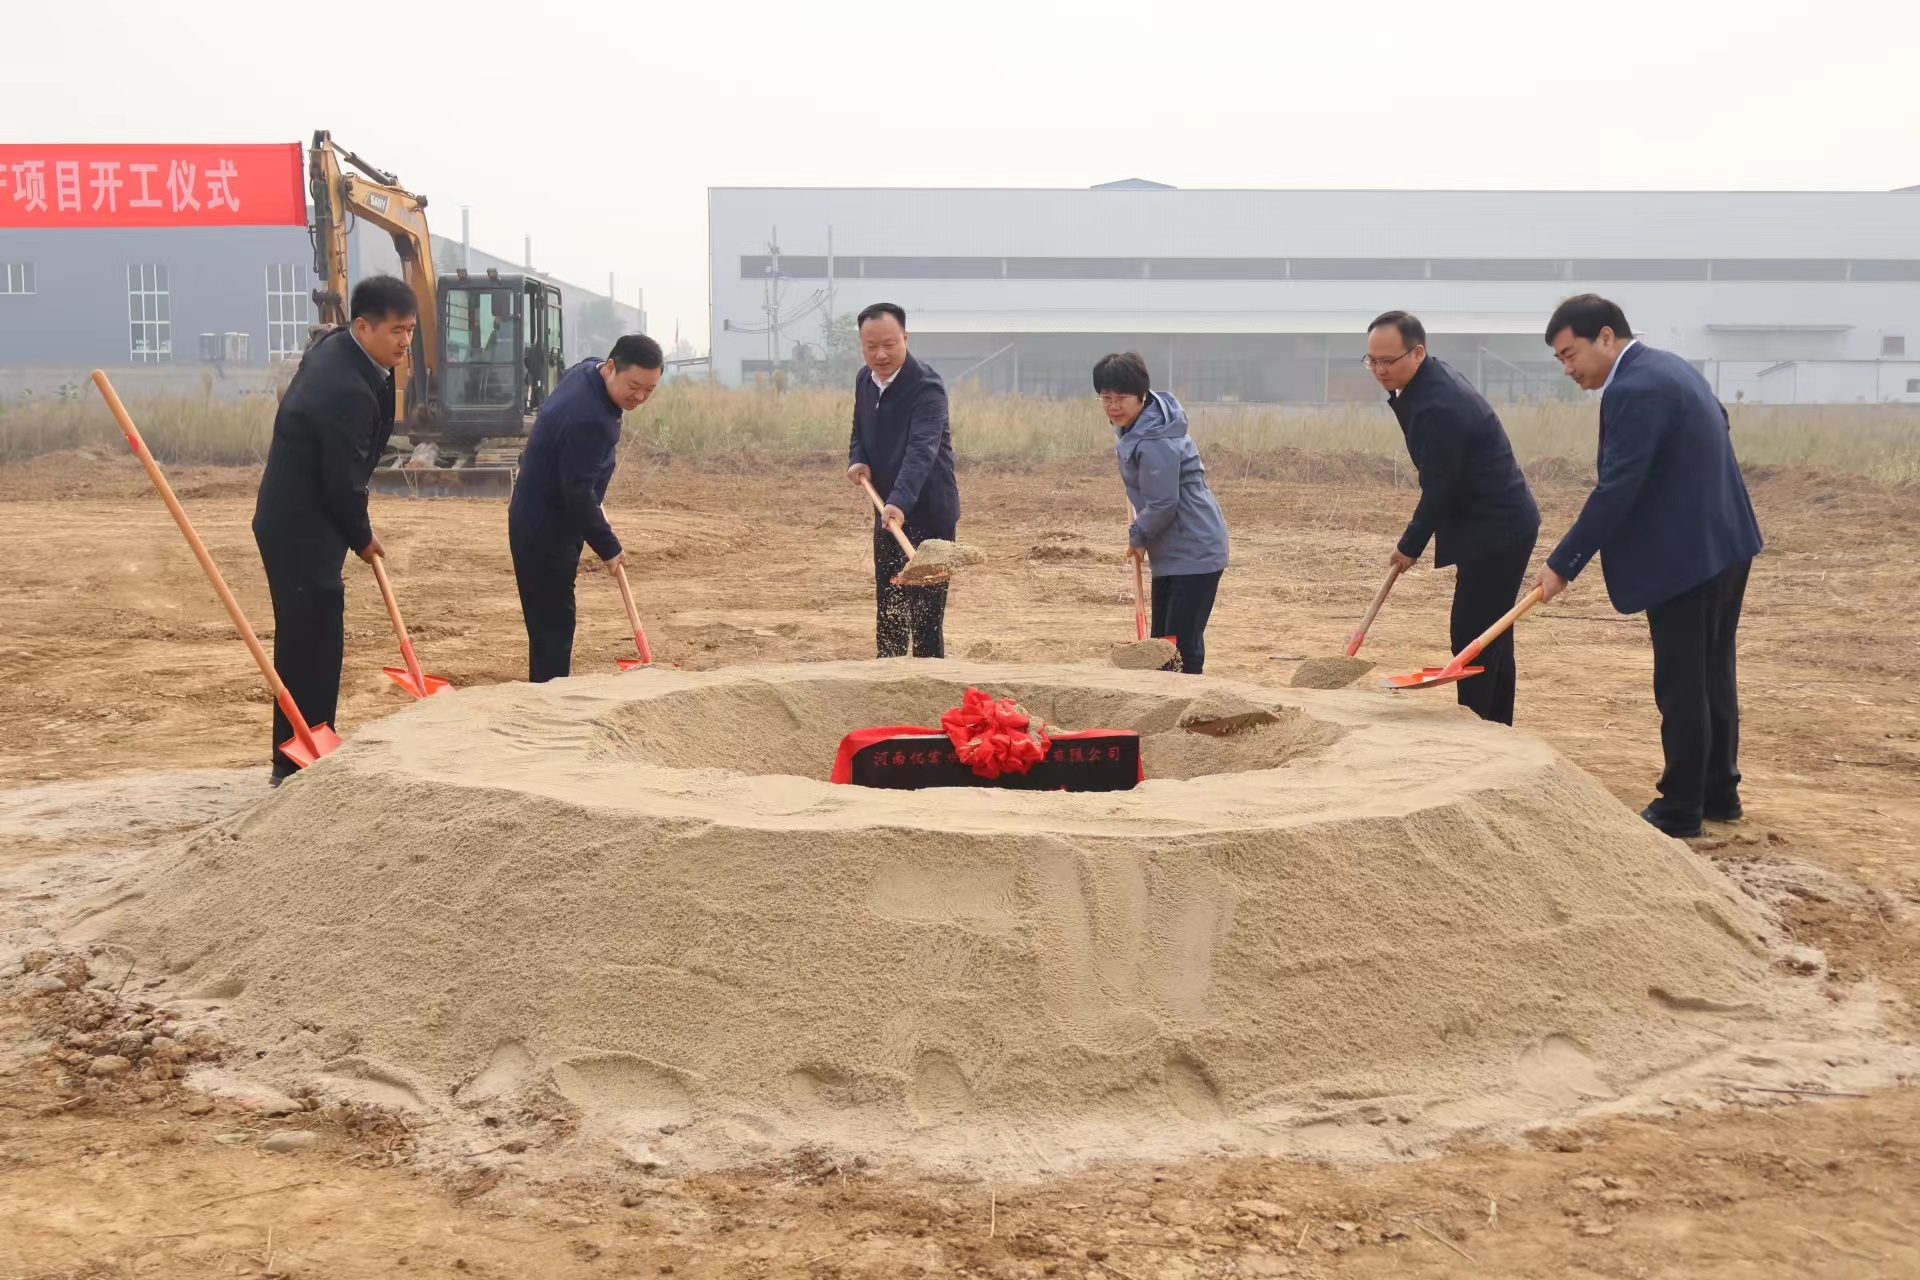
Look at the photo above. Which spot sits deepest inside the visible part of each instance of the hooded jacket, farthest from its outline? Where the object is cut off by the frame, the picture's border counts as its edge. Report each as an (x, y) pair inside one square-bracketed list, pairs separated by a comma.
[(1176, 518)]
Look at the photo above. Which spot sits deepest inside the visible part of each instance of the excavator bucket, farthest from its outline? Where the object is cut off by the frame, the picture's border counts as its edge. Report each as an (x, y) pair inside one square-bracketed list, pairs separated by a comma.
[(489, 473)]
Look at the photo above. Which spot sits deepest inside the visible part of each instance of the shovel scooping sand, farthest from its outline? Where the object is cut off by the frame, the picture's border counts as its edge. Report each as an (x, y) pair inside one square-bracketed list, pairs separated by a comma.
[(935, 559), (1339, 672), (1142, 653)]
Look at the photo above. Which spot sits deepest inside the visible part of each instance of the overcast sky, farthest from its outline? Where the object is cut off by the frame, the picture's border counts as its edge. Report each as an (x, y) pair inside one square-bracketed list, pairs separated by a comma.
[(600, 135)]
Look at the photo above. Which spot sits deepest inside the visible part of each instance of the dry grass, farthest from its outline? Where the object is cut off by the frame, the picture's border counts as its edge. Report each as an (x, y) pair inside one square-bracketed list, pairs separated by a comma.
[(707, 425)]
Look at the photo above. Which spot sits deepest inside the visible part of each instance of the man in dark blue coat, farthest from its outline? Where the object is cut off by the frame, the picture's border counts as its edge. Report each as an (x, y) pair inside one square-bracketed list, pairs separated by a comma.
[(564, 473), (332, 425), (1674, 528), (902, 445), (1474, 502)]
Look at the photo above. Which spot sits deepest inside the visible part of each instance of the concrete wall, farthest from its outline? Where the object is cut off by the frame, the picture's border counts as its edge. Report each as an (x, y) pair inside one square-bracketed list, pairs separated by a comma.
[(1691, 269)]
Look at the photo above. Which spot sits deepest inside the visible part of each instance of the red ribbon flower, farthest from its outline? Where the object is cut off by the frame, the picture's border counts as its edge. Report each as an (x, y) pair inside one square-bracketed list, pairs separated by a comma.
[(993, 736)]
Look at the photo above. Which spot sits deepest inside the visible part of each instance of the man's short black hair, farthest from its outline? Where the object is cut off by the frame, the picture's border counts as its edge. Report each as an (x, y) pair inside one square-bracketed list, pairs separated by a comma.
[(636, 349), (879, 309), (1123, 373), (1412, 332), (1587, 314), (382, 298)]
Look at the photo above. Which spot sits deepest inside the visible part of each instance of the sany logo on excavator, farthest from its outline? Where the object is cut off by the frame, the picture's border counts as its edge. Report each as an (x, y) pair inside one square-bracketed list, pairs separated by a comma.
[(376, 202)]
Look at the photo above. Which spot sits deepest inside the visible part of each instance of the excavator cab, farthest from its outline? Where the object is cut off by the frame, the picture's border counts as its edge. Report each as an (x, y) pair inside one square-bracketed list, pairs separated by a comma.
[(499, 354), (500, 351)]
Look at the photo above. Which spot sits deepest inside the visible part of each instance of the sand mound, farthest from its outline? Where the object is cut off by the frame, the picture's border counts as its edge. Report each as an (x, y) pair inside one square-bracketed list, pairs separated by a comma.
[(1329, 673), (637, 899), (1144, 655), (1223, 711)]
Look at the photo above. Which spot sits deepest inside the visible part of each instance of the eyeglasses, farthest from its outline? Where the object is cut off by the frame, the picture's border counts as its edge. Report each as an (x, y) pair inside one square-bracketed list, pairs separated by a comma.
[(1372, 363), (1112, 400)]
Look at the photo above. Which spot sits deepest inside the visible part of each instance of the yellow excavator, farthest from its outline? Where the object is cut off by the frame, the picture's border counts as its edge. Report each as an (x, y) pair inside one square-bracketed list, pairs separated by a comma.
[(487, 352)]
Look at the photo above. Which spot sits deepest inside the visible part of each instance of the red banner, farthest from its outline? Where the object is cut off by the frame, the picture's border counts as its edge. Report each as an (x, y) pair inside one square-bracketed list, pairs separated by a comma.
[(137, 185)]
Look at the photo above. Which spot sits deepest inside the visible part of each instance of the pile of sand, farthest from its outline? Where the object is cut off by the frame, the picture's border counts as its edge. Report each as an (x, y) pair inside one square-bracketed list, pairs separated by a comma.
[(1329, 673), (1223, 711), (1144, 655), (1359, 927), (936, 558)]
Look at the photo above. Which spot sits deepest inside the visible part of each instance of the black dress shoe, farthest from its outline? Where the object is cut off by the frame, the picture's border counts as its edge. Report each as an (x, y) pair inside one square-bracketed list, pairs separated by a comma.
[(1669, 826), (1730, 813)]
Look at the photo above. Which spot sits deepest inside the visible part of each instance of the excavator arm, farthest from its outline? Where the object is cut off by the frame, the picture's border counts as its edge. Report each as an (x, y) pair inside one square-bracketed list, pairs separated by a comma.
[(376, 196)]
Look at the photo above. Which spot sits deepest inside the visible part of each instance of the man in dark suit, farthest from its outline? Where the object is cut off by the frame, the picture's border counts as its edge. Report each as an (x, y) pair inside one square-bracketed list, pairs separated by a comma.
[(563, 479), (1474, 501), (331, 428), (1675, 531), (902, 445)]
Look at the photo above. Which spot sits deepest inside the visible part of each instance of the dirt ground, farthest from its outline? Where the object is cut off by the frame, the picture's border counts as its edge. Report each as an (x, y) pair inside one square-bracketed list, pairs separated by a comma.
[(116, 659)]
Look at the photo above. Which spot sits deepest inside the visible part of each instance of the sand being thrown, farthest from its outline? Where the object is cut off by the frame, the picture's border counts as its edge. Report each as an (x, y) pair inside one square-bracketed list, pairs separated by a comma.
[(935, 559), (637, 898)]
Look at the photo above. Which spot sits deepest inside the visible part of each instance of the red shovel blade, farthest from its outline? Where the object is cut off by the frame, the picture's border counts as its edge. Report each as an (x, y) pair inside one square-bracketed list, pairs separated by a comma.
[(628, 664), (325, 741), (1428, 677), (404, 678)]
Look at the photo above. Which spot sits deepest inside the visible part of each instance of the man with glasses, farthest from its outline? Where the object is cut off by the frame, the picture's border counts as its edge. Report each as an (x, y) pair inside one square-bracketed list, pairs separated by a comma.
[(1474, 502)]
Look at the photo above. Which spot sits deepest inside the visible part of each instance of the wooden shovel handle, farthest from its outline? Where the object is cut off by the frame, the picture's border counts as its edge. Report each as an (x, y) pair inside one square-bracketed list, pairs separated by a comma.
[(301, 729), (633, 613), (1359, 636), (880, 506), (1492, 633), (399, 627), (1139, 598)]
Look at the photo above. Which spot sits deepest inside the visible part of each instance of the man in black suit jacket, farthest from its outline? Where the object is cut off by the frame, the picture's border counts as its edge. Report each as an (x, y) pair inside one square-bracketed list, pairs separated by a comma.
[(1675, 531), (1474, 501), (902, 444), (332, 426)]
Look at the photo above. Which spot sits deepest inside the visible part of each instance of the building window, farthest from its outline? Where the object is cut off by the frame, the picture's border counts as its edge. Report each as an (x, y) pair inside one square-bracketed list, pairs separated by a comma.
[(1893, 344), (286, 310), (1913, 386), (16, 277), (149, 314)]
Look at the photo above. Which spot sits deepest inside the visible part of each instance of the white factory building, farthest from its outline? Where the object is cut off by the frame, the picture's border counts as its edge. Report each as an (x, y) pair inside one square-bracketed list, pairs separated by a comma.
[(1265, 295)]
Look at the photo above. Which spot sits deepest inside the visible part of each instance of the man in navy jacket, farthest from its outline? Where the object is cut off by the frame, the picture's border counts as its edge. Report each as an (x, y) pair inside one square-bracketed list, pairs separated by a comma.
[(563, 479), (1474, 502), (903, 446), (1675, 531), (328, 434)]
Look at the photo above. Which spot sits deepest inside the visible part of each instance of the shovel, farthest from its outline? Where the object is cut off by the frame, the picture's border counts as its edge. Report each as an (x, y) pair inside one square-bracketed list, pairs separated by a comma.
[(901, 579), (1359, 636), (409, 677), (1428, 677), (1341, 671), (309, 742), (633, 617), (1144, 653)]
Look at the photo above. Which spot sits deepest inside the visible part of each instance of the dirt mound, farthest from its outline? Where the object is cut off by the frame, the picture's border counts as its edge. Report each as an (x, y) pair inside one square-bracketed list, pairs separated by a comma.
[(1221, 712), (1329, 673), (637, 898), (1144, 655)]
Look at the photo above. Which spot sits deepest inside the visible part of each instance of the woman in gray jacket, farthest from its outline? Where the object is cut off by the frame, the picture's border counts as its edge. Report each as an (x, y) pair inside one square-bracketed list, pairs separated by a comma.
[(1177, 523)]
